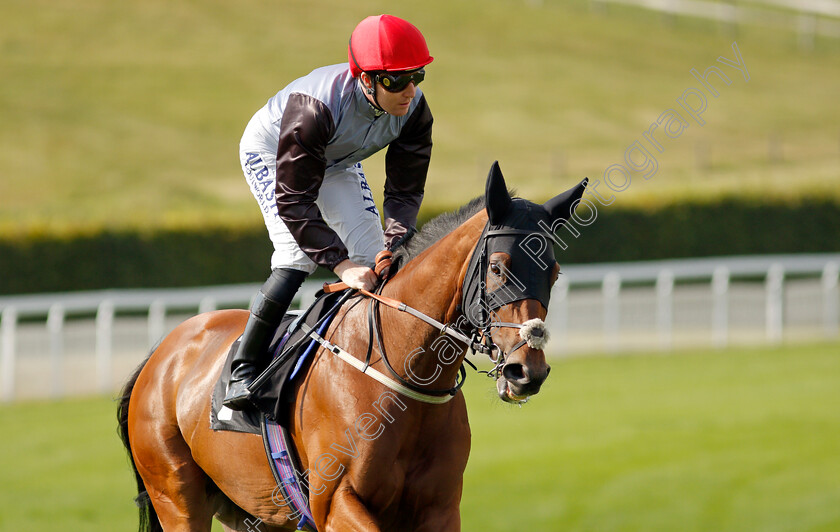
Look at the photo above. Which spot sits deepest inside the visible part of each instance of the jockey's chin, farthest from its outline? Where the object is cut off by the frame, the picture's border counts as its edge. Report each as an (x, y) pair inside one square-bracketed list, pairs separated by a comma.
[(396, 103)]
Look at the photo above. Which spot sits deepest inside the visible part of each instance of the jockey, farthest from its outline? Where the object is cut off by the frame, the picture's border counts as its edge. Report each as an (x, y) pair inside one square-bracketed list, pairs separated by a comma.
[(301, 155)]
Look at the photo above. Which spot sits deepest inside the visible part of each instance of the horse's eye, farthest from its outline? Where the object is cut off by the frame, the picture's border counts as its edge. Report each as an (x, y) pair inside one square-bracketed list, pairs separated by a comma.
[(494, 267)]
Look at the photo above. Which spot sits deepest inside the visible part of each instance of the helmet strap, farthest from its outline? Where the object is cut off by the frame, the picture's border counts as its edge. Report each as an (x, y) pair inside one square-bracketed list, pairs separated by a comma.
[(372, 91)]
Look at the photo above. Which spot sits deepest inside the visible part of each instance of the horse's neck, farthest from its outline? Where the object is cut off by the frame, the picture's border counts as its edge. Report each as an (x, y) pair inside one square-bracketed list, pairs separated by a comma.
[(431, 283)]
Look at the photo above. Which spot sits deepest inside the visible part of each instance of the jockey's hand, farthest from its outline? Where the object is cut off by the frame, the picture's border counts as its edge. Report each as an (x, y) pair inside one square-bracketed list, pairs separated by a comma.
[(356, 275)]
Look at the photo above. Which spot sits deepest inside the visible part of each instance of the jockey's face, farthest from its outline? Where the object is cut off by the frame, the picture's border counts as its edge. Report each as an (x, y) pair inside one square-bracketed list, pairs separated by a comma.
[(394, 103)]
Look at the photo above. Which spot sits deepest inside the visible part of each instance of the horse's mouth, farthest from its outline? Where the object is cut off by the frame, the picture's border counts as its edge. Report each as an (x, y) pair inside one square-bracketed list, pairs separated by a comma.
[(507, 394)]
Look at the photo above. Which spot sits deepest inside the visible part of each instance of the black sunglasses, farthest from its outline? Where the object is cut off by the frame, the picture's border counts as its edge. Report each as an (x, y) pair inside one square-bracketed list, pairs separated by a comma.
[(398, 82)]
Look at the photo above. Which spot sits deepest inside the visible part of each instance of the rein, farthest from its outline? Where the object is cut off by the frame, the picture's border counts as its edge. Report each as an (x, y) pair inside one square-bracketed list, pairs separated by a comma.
[(375, 322), (377, 375), (397, 383)]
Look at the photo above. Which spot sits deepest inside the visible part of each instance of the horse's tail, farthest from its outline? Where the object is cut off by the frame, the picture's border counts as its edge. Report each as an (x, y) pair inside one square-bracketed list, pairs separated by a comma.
[(149, 521)]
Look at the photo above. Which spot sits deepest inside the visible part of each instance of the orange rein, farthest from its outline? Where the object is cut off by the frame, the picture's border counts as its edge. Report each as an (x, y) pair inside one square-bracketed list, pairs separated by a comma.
[(382, 270)]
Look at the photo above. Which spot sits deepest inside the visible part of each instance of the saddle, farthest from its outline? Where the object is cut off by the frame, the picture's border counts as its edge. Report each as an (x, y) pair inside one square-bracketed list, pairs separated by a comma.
[(291, 352)]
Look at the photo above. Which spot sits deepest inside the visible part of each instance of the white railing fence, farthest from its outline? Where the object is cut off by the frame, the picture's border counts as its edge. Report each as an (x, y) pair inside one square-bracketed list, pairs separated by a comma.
[(696, 302), (52, 345), (808, 18)]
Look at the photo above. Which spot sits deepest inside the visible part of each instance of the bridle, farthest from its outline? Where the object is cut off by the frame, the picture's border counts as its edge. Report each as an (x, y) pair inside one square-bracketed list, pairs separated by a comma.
[(474, 295), (478, 336)]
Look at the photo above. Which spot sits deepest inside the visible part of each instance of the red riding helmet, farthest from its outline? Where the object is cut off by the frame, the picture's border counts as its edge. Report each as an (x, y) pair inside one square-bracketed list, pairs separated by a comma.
[(386, 42)]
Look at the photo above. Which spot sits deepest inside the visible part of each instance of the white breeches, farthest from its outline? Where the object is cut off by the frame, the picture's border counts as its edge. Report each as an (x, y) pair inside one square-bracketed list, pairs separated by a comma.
[(344, 199)]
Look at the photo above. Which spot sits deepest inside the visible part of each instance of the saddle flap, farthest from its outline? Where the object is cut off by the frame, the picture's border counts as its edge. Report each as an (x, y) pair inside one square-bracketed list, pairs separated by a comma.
[(272, 397)]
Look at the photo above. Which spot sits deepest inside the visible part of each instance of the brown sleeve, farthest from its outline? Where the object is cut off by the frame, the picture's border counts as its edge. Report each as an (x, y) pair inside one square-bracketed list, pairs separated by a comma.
[(305, 129), (406, 166)]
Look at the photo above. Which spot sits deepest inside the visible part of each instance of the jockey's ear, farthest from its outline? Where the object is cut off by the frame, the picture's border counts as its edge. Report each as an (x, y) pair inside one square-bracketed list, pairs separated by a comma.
[(563, 205), (496, 195)]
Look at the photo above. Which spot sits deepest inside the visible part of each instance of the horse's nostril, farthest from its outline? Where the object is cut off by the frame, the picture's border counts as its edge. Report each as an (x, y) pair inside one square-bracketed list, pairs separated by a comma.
[(515, 373)]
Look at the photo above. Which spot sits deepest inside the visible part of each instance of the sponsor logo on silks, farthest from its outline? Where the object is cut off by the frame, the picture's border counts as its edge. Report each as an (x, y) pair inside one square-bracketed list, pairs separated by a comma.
[(257, 173), (367, 195)]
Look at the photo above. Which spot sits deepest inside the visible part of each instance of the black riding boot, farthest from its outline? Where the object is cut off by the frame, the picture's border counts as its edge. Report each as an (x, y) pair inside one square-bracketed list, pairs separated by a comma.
[(268, 309)]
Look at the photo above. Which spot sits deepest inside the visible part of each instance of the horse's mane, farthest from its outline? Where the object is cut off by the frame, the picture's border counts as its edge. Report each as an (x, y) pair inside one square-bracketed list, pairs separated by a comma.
[(435, 229)]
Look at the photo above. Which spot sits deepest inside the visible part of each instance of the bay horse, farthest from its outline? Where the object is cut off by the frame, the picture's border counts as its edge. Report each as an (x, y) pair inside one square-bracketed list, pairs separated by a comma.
[(376, 460)]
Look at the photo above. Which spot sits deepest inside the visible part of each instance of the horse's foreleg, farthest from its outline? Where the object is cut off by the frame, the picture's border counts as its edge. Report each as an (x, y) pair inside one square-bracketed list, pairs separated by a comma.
[(347, 513)]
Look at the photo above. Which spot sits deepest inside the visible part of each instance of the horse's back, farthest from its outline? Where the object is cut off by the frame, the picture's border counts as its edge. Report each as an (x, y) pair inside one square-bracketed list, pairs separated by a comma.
[(175, 378), (188, 355)]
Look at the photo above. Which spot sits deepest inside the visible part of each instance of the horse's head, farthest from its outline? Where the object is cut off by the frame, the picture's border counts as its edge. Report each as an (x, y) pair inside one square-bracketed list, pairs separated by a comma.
[(508, 283)]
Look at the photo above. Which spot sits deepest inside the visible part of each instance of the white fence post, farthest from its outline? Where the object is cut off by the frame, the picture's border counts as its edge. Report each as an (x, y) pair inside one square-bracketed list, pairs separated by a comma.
[(720, 307), (307, 295), (831, 312), (806, 28), (775, 303), (207, 304), (558, 316), (157, 321), (611, 289), (104, 343), (8, 326), (55, 328), (665, 308)]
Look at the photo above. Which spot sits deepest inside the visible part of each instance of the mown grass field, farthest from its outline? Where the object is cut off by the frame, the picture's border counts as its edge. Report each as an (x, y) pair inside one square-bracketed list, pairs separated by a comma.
[(128, 114), (738, 440)]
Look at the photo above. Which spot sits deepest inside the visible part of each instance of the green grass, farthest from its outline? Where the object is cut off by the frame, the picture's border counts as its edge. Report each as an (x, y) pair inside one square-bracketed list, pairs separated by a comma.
[(733, 441), (739, 440), (128, 114), (62, 467)]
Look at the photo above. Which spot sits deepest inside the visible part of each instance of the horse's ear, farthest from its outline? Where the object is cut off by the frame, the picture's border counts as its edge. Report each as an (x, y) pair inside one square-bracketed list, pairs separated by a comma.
[(563, 205), (496, 196)]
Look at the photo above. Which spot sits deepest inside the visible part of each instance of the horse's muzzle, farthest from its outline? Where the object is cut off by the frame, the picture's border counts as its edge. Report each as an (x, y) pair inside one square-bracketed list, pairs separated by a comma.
[(519, 381)]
